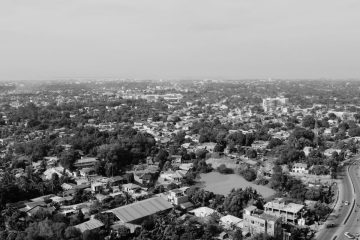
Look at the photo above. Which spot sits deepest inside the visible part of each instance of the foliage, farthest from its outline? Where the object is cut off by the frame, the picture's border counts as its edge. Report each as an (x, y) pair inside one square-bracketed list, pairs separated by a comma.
[(224, 170), (238, 199)]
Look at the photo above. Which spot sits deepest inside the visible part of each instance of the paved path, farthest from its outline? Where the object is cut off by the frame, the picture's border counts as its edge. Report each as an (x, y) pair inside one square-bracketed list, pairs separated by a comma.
[(340, 211), (346, 218)]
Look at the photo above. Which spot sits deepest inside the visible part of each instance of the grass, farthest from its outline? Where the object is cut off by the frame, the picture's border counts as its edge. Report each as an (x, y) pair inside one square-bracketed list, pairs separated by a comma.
[(223, 183)]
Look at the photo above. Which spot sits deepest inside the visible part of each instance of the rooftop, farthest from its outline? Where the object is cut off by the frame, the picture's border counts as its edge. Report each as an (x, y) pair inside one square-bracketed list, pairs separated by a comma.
[(89, 225), (290, 207), (141, 209)]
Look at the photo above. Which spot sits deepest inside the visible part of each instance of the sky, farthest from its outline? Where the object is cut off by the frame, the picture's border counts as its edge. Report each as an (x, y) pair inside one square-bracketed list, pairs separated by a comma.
[(168, 39)]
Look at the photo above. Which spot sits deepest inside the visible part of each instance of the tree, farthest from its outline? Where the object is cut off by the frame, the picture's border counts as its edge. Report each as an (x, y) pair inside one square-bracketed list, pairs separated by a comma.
[(354, 132), (68, 158), (332, 116), (277, 178), (274, 142), (219, 148), (201, 153), (91, 235), (238, 235), (251, 153), (224, 170), (249, 174), (238, 199), (72, 233), (308, 121), (321, 210)]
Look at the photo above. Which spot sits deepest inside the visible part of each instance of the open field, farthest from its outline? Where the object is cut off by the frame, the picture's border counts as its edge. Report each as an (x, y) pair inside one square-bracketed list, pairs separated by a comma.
[(222, 184)]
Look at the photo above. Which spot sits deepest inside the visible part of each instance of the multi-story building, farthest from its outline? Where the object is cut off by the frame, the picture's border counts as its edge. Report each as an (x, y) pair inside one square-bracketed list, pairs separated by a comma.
[(289, 212), (273, 104), (300, 168), (177, 197), (256, 222)]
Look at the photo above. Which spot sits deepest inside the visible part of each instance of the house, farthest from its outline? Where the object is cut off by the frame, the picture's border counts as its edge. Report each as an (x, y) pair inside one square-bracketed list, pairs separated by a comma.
[(61, 200), (97, 187), (203, 212), (256, 222), (67, 186), (173, 176), (86, 162), (51, 161), (307, 150), (175, 158), (117, 180), (49, 172), (34, 210), (92, 224), (131, 188), (207, 146), (290, 212), (300, 168), (86, 172), (259, 145), (177, 197), (134, 190), (33, 207), (329, 152), (231, 222), (136, 212)]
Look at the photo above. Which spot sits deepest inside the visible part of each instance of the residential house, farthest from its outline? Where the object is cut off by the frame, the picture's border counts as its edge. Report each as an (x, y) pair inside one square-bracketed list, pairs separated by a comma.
[(231, 222), (177, 197), (300, 168), (87, 162), (173, 176), (92, 224), (134, 190), (97, 187), (329, 152), (307, 150), (203, 212)]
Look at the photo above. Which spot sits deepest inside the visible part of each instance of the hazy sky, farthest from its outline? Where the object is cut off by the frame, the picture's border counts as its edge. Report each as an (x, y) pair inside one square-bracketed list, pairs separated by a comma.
[(56, 39)]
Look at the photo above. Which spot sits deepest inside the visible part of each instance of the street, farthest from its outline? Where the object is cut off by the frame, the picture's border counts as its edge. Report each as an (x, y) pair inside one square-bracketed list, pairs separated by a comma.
[(345, 218)]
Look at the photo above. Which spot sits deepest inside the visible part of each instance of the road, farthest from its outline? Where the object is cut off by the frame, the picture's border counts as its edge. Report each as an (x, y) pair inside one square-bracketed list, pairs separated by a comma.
[(346, 218)]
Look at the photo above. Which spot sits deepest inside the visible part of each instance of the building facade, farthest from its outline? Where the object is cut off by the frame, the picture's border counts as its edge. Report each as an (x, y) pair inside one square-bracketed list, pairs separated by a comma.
[(273, 104), (289, 212), (256, 222)]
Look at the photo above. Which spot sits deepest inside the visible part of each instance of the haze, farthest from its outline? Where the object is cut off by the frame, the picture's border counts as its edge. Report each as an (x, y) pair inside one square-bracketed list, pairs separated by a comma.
[(60, 39)]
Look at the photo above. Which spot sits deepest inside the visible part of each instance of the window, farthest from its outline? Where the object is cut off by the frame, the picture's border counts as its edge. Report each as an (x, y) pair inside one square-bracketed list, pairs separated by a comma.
[(262, 225), (252, 222)]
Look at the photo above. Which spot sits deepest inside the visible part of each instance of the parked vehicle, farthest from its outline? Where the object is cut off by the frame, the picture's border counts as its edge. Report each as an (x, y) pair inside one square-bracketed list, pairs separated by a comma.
[(349, 235)]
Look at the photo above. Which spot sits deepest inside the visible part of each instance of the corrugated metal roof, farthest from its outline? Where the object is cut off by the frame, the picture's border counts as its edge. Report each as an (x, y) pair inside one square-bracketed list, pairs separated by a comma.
[(141, 209), (89, 225)]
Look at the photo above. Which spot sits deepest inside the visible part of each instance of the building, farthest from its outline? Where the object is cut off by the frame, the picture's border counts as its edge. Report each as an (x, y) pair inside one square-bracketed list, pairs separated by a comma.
[(92, 224), (131, 188), (138, 211), (177, 197), (256, 222), (203, 212), (85, 163), (289, 212), (231, 222), (274, 104), (300, 168)]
